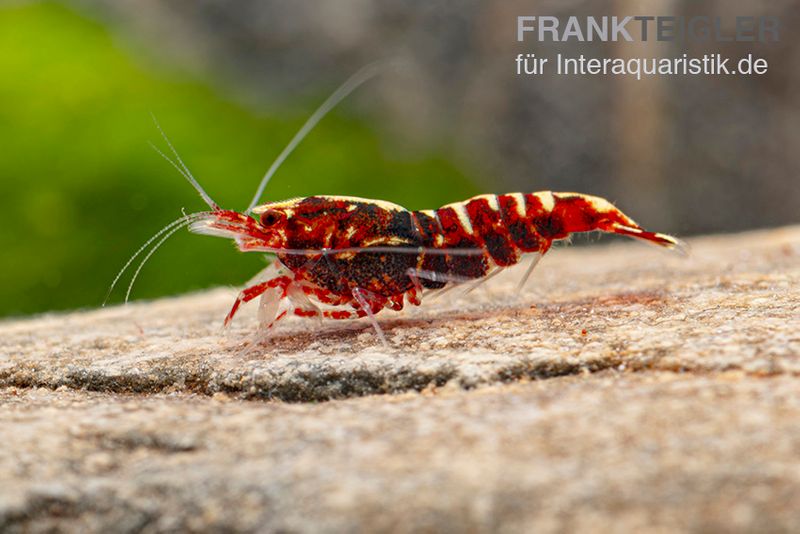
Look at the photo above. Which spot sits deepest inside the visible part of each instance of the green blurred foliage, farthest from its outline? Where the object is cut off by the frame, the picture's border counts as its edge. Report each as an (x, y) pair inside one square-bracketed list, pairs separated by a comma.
[(80, 189)]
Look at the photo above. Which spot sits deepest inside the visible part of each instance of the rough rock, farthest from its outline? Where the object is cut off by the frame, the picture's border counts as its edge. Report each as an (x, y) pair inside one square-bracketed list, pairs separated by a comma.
[(624, 389)]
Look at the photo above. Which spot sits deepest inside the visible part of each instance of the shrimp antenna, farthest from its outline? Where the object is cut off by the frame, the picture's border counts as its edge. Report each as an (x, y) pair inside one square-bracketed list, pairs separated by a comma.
[(171, 226), (184, 221), (350, 85), (183, 169)]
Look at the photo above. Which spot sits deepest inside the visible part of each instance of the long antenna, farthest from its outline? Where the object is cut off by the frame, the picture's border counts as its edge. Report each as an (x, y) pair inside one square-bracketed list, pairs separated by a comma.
[(352, 83), (185, 172)]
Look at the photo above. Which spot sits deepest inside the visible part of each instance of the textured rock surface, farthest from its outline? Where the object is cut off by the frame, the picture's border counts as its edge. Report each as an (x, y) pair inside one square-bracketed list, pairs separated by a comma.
[(625, 388)]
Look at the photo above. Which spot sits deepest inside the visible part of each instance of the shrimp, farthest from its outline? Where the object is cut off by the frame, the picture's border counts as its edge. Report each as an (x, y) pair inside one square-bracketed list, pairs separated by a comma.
[(343, 257)]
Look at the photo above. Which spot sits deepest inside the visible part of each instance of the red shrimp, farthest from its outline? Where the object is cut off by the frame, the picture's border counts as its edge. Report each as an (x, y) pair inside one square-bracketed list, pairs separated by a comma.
[(346, 257)]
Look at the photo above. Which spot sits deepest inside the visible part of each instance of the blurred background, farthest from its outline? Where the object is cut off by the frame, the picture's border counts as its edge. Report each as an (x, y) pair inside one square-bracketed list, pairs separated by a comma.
[(80, 189)]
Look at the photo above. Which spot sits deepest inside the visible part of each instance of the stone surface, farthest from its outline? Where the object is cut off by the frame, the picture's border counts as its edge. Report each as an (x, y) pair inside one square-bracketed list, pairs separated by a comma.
[(624, 388)]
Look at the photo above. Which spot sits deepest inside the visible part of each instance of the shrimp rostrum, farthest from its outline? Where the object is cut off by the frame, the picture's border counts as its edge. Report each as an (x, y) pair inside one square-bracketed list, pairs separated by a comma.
[(345, 257)]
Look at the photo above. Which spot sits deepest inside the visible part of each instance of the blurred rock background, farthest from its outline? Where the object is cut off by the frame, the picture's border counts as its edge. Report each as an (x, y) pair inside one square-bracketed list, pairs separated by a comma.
[(449, 118)]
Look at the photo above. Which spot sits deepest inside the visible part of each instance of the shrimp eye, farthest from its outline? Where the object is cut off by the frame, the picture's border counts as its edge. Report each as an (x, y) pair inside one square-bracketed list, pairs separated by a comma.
[(270, 218)]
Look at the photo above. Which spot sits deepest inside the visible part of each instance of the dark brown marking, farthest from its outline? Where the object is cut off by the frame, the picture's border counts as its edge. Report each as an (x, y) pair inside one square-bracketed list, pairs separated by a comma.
[(488, 226), (428, 229), (455, 236), (520, 230)]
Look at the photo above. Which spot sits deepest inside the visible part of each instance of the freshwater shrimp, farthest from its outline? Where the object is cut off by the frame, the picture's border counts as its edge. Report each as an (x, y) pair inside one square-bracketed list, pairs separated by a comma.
[(343, 257)]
